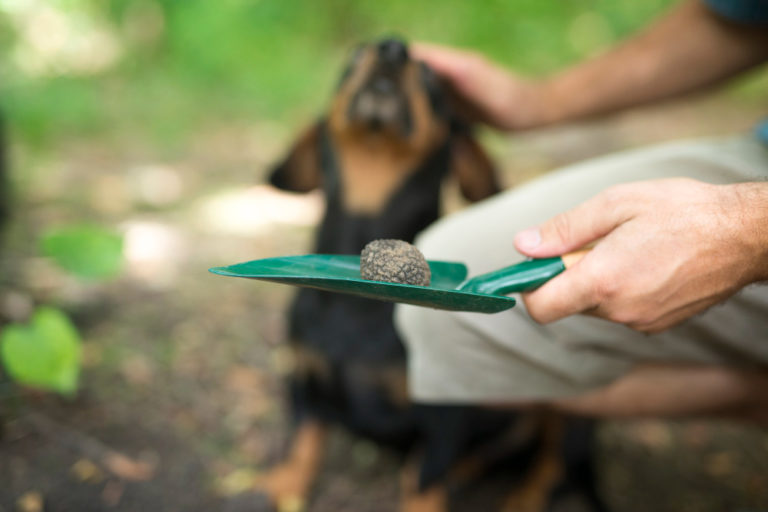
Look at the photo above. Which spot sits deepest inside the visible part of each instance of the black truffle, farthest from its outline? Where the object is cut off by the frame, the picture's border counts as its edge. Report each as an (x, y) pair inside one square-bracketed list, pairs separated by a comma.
[(394, 261)]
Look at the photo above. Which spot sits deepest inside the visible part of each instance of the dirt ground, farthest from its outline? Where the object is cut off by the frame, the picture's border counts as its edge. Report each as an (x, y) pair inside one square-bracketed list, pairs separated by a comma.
[(181, 394)]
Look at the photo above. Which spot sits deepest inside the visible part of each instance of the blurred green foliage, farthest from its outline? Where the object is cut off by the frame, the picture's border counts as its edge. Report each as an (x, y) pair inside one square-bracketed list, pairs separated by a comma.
[(88, 252), (159, 68), (45, 354)]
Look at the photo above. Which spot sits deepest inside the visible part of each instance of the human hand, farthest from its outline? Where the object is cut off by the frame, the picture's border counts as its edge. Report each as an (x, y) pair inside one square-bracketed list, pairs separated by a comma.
[(667, 250), (485, 91)]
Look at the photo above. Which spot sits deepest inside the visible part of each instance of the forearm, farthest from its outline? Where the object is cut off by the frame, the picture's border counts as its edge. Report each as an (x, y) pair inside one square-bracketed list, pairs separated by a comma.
[(688, 49)]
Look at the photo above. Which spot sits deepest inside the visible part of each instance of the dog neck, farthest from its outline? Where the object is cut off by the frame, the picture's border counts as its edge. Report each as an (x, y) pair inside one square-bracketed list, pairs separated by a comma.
[(373, 165), (410, 204)]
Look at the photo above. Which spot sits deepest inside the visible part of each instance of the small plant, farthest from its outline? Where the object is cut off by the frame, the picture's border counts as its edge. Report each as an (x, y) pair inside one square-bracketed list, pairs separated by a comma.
[(88, 252), (43, 354)]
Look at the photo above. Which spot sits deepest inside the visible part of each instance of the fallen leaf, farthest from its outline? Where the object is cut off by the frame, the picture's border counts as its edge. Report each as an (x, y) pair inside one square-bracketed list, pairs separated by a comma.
[(237, 482), (86, 471), (44, 354), (127, 468)]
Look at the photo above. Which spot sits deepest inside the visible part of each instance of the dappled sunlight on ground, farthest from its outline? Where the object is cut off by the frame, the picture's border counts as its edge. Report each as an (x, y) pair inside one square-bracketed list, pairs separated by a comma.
[(153, 252), (256, 211)]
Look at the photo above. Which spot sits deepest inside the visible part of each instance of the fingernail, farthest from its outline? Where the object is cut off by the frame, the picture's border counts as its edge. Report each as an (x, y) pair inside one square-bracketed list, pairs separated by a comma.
[(528, 239)]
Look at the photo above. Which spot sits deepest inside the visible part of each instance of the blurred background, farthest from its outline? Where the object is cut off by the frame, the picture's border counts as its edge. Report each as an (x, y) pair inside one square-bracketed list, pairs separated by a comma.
[(138, 134)]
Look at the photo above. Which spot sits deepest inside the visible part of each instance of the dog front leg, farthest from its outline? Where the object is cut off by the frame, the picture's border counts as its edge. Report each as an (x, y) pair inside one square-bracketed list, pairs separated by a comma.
[(288, 484), (413, 499), (533, 494)]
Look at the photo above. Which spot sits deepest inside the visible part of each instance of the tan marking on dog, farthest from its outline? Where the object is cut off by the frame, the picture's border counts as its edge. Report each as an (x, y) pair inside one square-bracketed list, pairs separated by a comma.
[(302, 167), (308, 362), (434, 499), (337, 115), (394, 381), (289, 483), (475, 464), (532, 495)]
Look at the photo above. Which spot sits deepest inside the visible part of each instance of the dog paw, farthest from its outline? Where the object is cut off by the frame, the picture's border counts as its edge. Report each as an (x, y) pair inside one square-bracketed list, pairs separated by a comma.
[(284, 488), (291, 504)]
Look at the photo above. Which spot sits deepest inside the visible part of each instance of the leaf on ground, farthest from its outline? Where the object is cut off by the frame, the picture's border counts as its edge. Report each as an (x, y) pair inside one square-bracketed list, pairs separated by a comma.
[(86, 471), (127, 468), (88, 252), (237, 482), (44, 354)]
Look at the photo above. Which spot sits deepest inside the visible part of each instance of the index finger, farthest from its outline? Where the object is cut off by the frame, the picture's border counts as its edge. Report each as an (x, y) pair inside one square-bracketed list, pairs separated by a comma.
[(572, 292)]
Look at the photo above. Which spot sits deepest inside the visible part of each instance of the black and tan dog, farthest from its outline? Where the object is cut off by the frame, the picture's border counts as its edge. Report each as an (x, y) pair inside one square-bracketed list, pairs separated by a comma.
[(380, 156)]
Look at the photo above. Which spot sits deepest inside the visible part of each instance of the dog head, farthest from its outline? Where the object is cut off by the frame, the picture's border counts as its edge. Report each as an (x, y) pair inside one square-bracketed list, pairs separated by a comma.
[(388, 116), (383, 91)]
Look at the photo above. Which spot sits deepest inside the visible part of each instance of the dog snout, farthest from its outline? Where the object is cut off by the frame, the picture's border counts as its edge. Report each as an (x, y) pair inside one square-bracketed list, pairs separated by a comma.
[(393, 52), (383, 85)]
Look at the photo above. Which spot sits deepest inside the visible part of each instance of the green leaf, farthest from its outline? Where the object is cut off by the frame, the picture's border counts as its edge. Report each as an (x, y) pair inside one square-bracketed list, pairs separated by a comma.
[(44, 354), (86, 251)]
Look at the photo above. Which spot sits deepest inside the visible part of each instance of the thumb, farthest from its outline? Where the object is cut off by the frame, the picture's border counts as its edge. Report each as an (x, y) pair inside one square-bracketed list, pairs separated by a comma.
[(574, 228)]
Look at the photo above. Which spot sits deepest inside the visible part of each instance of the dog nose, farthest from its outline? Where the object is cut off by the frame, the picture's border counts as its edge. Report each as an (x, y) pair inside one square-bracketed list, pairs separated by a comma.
[(393, 51)]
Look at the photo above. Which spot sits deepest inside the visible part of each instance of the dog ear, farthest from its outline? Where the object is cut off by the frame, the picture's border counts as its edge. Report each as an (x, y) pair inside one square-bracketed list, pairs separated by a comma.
[(471, 166), (300, 170)]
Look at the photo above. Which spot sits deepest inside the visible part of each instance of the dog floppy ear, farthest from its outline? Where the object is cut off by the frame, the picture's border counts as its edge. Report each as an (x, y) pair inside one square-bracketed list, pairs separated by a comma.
[(300, 170), (471, 166)]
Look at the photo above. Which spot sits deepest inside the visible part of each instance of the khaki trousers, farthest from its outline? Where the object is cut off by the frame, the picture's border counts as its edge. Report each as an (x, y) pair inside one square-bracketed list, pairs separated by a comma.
[(472, 357)]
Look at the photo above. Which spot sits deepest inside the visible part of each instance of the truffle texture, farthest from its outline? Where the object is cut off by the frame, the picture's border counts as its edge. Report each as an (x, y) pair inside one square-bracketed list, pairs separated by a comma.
[(394, 261)]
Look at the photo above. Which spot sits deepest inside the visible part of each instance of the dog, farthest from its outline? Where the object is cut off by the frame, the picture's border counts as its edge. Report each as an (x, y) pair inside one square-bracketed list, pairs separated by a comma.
[(381, 155)]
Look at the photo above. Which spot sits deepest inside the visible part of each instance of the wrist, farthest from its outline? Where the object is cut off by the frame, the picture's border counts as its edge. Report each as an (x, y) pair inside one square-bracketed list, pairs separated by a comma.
[(533, 104), (555, 100), (750, 217)]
